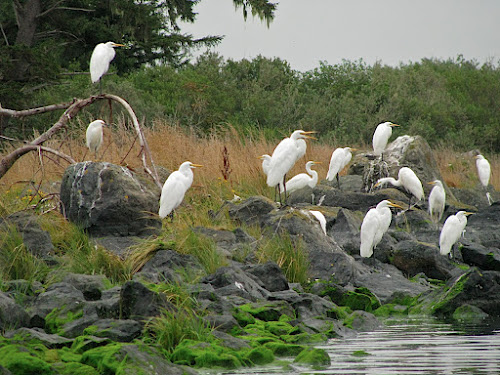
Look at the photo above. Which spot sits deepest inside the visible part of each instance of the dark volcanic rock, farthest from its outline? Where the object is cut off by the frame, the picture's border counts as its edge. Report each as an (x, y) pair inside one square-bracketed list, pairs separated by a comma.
[(252, 210), (414, 257), (49, 340), (477, 255), (11, 314), (170, 266), (139, 303), (483, 226), (36, 240), (108, 199), (270, 275), (62, 296)]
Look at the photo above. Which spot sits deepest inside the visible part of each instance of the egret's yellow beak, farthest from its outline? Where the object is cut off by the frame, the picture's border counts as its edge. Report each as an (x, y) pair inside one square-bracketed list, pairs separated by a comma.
[(317, 162), (377, 184), (394, 124), (395, 205), (353, 149), (431, 183), (118, 45), (469, 213), (196, 165), (305, 134)]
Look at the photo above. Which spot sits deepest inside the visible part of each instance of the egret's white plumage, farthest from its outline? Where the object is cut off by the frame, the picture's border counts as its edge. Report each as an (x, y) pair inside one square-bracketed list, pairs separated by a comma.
[(175, 188), (339, 160), (321, 218), (437, 200), (286, 153), (381, 136), (408, 180), (303, 179), (483, 170), (94, 135), (266, 159), (453, 228), (375, 223), (101, 57)]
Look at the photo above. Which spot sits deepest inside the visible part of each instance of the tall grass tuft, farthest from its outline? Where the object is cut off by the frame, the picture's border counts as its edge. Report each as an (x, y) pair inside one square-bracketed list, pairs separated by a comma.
[(16, 262), (171, 328), (289, 254), (201, 247)]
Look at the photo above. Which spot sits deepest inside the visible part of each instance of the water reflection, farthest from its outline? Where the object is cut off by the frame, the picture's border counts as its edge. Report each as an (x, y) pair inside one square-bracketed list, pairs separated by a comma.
[(412, 346)]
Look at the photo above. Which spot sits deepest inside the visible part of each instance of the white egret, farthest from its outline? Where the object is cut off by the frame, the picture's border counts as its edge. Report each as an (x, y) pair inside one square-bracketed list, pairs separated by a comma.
[(453, 228), (321, 218), (339, 160), (381, 136), (284, 156), (175, 188), (266, 159), (375, 223), (303, 179), (408, 180), (102, 55), (94, 135), (483, 170), (437, 200)]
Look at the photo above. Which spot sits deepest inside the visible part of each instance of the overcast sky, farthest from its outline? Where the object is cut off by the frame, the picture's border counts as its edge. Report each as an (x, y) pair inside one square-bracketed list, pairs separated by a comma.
[(305, 32)]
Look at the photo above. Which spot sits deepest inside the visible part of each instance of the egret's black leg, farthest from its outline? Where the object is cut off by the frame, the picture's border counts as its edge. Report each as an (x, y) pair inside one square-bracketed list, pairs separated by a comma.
[(338, 181), (171, 216), (409, 202)]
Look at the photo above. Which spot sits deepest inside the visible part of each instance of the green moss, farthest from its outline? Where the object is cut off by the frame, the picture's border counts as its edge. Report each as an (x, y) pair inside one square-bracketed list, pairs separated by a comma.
[(103, 358), (260, 356), (75, 368), (313, 357), (339, 312), (391, 309), (360, 353), (68, 355), (304, 338), (209, 355), (281, 349), (441, 305), (243, 317), (21, 361), (57, 318), (267, 311), (468, 314), (281, 328)]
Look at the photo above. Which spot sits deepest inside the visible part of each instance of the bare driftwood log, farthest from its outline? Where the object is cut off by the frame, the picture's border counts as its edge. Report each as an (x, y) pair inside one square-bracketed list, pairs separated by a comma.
[(72, 109)]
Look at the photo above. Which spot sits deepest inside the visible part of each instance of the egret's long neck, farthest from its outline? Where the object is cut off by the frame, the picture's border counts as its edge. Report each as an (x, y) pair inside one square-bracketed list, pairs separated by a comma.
[(390, 180), (313, 174)]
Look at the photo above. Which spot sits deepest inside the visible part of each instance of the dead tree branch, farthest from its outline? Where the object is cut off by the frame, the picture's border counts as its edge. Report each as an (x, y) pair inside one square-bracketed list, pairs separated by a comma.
[(71, 111)]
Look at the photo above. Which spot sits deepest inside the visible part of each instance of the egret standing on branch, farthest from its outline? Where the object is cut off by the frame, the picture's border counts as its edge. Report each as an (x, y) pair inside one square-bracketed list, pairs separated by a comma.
[(99, 61), (375, 223), (339, 160), (407, 179), (302, 179), (484, 173), (94, 135), (381, 137), (286, 153), (437, 200), (453, 228), (175, 187)]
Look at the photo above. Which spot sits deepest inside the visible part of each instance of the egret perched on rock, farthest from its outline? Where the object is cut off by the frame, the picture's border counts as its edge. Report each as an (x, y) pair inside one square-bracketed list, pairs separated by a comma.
[(303, 179), (339, 160), (408, 180), (94, 135), (437, 200), (286, 153), (175, 188), (483, 172), (321, 218), (453, 228), (375, 223), (101, 57), (381, 137)]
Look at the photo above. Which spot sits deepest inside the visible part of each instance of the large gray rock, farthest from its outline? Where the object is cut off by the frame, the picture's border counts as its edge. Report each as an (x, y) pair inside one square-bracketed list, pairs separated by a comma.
[(36, 240), (62, 296), (11, 314), (171, 266), (107, 199), (137, 302)]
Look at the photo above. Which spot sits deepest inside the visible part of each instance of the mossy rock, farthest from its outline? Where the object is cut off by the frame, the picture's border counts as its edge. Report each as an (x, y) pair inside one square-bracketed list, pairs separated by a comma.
[(208, 355), (57, 318), (281, 328), (21, 361), (391, 309), (260, 356), (313, 357), (268, 311), (75, 368), (339, 312), (468, 314), (304, 338), (281, 349), (243, 317), (103, 358)]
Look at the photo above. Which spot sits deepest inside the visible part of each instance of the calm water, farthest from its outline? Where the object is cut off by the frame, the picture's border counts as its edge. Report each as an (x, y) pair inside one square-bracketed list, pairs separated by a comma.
[(409, 347)]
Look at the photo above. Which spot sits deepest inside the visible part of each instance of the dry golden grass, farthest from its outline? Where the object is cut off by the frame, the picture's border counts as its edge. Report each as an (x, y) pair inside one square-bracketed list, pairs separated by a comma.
[(171, 145)]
